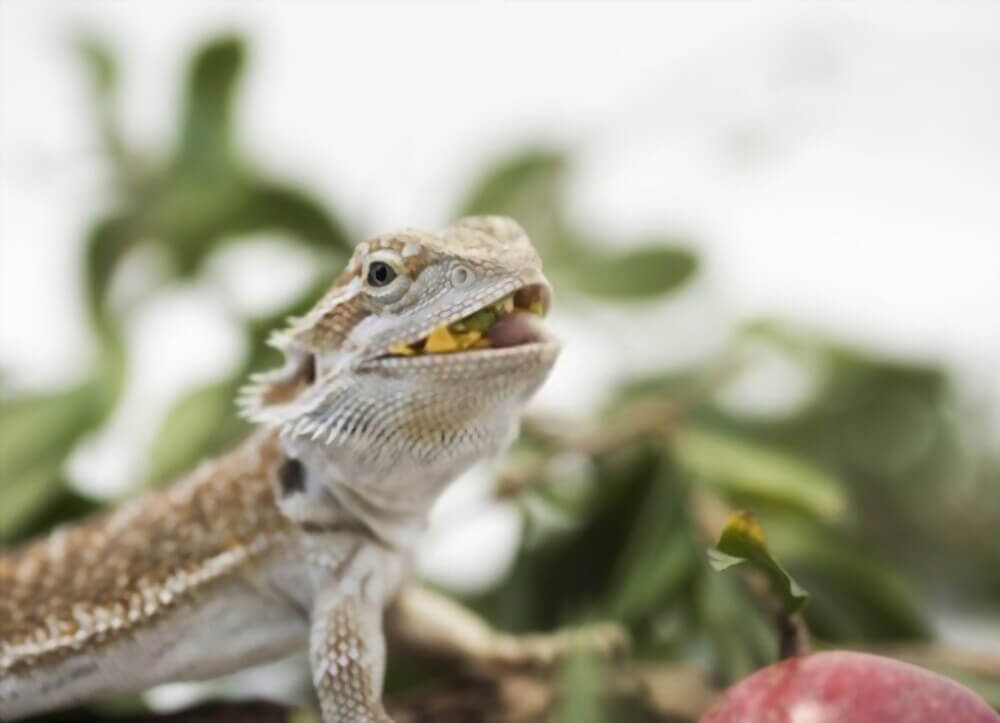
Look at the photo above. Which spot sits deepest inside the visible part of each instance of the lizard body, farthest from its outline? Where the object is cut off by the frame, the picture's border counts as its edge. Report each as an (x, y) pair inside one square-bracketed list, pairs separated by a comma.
[(301, 536), (81, 609)]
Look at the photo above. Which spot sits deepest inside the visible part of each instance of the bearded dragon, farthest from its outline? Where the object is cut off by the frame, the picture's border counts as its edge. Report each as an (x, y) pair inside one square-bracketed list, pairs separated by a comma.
[(413, 366)]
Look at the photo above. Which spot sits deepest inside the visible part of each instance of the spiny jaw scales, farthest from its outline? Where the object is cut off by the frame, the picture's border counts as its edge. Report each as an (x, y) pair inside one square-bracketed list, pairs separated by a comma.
[(513, 321)]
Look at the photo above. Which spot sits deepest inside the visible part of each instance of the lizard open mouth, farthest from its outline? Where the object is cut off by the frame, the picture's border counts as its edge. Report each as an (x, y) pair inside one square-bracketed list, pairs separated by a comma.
[(511, 321)]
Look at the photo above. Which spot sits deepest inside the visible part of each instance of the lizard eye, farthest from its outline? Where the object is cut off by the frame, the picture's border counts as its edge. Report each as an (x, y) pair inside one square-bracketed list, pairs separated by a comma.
[(380, 274)]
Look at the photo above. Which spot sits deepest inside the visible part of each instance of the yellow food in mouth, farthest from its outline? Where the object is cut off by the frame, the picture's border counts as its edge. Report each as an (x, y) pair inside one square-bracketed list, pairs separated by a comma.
[(471, 332), (443, 340)]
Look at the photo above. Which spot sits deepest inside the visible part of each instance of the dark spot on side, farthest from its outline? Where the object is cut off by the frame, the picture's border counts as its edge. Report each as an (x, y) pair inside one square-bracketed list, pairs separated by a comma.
[(292, 477), (309, 369)]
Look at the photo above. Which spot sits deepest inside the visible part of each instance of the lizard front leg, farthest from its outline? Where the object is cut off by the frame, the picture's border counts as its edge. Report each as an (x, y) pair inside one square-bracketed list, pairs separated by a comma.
[(347, 656)]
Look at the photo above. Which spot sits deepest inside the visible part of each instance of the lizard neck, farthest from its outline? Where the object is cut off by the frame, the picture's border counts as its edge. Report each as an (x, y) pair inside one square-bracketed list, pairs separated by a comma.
[(388, 488)]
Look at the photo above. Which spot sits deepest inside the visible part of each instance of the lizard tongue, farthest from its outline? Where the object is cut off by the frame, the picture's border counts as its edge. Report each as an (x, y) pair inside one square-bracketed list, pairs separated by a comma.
[(515, 328)]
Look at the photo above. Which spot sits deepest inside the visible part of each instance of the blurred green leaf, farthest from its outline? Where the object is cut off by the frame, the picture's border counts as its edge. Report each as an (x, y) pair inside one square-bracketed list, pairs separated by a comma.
[(528, 187), (103, 70), (635, 274), (665, 567), (900, 442), (206, 130), (566, 577), (200, 424), (659, 555), (201, 198), (272, 207), (728, 618), (38, 433), (742, 541), (740, 466), (108, 241), (855, 594), (580, 692), (48, 502), (100, 62), (195, 217), (23, 494), (41, 429)]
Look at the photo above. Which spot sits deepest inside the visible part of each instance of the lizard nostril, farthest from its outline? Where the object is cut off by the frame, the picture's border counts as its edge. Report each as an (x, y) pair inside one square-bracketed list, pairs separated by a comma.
[(460, 276)]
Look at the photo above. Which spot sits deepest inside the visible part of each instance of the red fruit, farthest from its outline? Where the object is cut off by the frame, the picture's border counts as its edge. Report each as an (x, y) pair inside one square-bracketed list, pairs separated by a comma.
[(844, 687)]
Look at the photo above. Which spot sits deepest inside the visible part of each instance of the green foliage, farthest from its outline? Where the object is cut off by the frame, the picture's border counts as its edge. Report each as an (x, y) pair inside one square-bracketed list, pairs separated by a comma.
[(580, 686), (636, 274), (746, 469), (37, 434), (857, 594), (742, 541), (530, 187), (659, 554), (184, 203), (202, 420), (873, 491)]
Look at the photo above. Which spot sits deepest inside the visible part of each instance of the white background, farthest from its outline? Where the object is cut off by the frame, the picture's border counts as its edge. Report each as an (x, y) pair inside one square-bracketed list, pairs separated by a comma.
[(834, 164)]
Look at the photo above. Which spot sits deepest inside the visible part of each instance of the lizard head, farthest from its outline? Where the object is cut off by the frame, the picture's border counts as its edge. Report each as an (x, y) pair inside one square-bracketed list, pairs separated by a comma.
[(426, 346)]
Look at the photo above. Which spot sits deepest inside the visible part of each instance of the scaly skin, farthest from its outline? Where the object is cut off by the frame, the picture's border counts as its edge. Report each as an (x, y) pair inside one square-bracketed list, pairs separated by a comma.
[(76, 606), (301, 537)]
